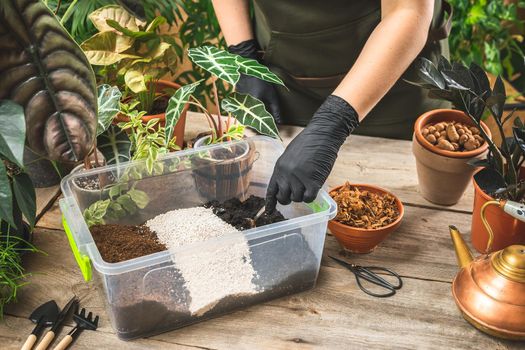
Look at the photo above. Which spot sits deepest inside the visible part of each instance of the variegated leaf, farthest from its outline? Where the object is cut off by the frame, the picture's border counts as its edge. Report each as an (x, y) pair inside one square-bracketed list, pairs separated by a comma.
[(115, 145), (135, 80), (108, 106), (251, 67), (176, 105), (250, 112), (107, 48), (116, 13), (220, 63)]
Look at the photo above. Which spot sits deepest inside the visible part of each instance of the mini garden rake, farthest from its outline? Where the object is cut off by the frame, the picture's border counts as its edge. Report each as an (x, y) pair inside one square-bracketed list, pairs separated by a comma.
[(82, 322)]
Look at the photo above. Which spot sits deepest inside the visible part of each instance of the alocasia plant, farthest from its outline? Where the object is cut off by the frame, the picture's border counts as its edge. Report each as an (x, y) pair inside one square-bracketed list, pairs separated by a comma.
[(246, 109)]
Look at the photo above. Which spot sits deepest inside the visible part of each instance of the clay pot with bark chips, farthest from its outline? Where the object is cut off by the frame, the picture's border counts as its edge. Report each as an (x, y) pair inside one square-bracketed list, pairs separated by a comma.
[(224, 172), (161, 86), (507, 230), (364, 240), (444, 174)]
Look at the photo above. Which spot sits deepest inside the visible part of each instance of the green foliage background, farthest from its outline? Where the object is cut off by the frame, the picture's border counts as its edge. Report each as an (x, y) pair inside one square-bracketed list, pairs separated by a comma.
[(195, 19), (489, 33)]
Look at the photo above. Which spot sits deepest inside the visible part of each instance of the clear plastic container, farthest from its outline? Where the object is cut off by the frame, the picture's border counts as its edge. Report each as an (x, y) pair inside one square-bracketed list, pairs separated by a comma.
[(147, 295)]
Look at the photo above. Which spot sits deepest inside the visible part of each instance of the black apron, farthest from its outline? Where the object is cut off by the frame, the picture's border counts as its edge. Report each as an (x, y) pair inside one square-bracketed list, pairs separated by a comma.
[(312, 44)]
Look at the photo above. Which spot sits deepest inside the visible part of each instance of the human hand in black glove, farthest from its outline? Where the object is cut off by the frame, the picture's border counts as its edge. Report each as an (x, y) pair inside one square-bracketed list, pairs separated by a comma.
[(302, 169), (260, 89)]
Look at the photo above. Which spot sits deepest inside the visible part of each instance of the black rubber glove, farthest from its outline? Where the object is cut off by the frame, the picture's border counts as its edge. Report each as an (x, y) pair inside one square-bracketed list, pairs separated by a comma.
[(260, 89), (302, 169)]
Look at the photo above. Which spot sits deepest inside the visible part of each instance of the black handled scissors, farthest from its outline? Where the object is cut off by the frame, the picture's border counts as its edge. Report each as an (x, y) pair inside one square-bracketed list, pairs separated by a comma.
[(369, 274)]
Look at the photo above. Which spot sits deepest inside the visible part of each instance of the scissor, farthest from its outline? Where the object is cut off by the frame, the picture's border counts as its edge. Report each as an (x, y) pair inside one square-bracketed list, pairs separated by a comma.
[(369, 274)]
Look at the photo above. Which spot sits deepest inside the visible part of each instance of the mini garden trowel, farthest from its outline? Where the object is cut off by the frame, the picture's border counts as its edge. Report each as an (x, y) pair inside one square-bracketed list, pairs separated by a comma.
[(50, 335), (44, 316), (252, 221)]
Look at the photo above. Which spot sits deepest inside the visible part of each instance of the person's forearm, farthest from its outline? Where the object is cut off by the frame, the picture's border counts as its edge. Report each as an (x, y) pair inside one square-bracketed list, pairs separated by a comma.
[(393, 45), (234, 19)]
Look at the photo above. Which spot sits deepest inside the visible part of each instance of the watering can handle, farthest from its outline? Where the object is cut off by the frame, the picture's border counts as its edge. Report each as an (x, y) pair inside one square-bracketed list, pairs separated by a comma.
[(514, 209)]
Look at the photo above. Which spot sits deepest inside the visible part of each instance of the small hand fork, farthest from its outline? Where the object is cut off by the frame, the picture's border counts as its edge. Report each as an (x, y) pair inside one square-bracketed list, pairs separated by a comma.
[(82, 322)]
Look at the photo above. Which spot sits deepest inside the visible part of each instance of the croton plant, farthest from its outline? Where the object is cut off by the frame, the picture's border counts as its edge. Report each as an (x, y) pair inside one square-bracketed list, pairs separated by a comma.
[(468, 88)]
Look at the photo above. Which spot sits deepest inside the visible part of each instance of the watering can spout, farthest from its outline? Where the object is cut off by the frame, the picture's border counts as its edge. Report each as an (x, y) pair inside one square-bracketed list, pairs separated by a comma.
[(462, 251)]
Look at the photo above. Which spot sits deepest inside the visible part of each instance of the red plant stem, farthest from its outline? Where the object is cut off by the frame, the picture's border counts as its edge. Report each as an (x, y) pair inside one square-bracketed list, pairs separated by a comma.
[(216, 96)]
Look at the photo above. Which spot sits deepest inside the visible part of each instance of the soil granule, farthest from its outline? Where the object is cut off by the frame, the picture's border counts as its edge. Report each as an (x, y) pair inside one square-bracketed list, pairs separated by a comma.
[(124, 242), (235, 212)]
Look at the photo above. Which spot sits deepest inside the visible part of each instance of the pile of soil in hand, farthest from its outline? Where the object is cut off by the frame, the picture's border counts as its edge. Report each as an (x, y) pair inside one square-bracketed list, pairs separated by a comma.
[(118, 243), (235, 212)]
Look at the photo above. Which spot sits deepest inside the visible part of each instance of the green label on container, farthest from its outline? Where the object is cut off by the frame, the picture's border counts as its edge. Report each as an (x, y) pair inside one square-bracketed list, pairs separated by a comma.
[(82, 260)]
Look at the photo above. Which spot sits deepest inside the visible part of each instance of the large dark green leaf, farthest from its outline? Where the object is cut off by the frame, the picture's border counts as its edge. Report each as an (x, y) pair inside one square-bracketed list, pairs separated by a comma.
[(45, 71), (250, 112), (496, 101), (6, 197), (25, 196), (176, 106), (255, 69), (519, 137), (443, 64), (481, 81), (115, 145), (428, 73), (459, 79), (220, 63), (12, 132)]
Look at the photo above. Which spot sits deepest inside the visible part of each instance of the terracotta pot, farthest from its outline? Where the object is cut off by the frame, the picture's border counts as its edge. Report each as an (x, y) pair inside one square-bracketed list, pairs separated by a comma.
[(360, 240), (180, 127), (507, 230), (443, 175)]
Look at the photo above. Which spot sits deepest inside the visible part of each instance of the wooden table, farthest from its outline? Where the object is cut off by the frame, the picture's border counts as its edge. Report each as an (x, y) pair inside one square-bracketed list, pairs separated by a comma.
[(334, 315)]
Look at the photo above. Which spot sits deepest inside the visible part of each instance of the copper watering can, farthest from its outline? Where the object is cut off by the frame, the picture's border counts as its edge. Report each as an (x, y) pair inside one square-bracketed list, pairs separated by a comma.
[(490, 289)]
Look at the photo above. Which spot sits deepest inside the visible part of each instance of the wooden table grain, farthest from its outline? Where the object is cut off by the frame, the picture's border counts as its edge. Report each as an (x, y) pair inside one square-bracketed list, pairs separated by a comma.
[(336, 314)]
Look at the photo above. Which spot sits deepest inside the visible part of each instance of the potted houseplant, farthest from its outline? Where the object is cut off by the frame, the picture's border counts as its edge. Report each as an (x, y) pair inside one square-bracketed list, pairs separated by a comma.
[(49, 110), (18, 201), (446, 140), (501, 174), (223, 172), (128, 140), (135, 55)]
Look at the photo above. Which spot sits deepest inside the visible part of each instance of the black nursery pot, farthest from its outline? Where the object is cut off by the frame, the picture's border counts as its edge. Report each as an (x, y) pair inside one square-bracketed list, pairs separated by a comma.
[(224, 172)]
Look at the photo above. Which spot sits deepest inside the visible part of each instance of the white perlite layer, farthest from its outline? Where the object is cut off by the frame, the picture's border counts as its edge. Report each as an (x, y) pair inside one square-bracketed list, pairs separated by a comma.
[(211, 273)]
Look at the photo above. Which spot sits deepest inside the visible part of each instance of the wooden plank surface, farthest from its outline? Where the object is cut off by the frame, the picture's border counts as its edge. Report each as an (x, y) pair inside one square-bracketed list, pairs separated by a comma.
[(44, 198), (336, 314)]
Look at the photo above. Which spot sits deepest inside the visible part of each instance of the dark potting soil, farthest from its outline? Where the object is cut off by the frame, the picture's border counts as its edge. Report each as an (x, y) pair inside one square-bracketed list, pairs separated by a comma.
[(151, 301), (160, 104), (235, 212), (123, 242), (91, 182), (138, 313)]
